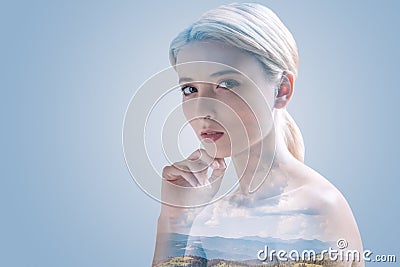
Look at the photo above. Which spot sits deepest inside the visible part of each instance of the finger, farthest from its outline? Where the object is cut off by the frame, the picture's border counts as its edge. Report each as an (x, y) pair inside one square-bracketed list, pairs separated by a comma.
[(191, 179), (191, 165), (205, 157), (201, 157), (205, 161), (219, 167), (195, 155), (197, 167), (201, 176), (171, 173), (199, 162)]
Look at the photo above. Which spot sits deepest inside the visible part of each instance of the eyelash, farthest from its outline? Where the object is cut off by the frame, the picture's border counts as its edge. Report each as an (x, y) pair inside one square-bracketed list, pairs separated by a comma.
[(194, 89), (187, 87)]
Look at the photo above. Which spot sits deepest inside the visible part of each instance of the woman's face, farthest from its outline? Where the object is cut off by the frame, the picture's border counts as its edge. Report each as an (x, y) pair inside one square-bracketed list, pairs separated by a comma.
[(226, 97)]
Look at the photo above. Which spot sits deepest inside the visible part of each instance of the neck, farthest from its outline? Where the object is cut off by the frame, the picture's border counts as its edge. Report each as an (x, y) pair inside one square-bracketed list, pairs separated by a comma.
[(255, 163)]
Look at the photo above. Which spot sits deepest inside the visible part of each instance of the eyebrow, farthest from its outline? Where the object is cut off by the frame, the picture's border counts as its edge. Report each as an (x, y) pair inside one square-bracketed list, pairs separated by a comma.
[(216, 74)]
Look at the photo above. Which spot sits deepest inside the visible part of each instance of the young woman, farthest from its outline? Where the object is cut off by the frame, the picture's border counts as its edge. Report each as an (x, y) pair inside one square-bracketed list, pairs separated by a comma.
[(236, 66)]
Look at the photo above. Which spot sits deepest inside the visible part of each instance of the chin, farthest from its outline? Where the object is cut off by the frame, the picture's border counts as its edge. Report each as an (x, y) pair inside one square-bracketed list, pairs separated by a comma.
[(220, 153), (223, 153)]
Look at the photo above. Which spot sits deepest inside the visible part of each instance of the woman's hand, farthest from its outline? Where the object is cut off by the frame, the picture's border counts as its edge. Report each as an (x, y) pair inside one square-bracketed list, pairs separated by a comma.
[(186, 189), (192, 172), (186, 183)]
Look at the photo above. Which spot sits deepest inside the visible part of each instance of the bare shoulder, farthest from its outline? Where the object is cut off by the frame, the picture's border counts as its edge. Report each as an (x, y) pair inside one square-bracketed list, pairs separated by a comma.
[(327, 198), (330, 205)]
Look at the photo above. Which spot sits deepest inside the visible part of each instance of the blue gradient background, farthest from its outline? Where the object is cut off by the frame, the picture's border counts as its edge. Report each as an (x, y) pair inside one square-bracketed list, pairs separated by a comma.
[(69, 69)]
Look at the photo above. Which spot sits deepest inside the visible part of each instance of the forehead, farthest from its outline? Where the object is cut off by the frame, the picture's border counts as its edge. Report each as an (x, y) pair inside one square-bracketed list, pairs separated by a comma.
[(211, 52)]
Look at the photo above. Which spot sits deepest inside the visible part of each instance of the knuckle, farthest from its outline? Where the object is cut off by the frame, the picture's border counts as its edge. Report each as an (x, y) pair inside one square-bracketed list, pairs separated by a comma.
[(168, 171), (166, 168)]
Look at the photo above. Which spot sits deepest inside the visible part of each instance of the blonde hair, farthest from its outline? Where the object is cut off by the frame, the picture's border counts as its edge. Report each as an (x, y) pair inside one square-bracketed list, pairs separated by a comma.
[(256, 29)]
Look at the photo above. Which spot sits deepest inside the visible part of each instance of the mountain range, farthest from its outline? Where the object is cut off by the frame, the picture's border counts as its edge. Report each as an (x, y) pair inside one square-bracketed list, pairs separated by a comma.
[(239, 249)]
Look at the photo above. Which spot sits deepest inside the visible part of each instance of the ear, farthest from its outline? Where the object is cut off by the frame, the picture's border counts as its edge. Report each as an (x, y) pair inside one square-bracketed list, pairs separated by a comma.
[(285, 90)]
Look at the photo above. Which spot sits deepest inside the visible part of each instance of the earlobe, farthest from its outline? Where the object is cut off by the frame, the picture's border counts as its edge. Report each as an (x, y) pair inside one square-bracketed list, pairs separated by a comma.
[(285, 90)]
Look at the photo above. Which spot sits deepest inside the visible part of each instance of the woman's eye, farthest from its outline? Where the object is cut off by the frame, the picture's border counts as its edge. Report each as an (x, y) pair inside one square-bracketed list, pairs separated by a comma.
[(187, 90), (228, 84)]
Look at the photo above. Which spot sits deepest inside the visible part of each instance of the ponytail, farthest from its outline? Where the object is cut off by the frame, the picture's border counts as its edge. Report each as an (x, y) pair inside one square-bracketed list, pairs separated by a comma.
[(292, 135)]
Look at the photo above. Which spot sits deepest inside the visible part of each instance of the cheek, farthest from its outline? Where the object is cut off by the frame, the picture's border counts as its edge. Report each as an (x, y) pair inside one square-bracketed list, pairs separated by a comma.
[(194, 124), (251, 124), (242, 113), (251, 120)]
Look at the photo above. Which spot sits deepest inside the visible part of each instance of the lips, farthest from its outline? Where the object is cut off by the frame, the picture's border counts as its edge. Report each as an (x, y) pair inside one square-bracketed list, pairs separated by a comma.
[(211, 135)]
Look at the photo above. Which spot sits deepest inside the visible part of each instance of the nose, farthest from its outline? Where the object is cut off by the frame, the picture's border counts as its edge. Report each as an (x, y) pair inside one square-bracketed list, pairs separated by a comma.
[(206, 102)]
